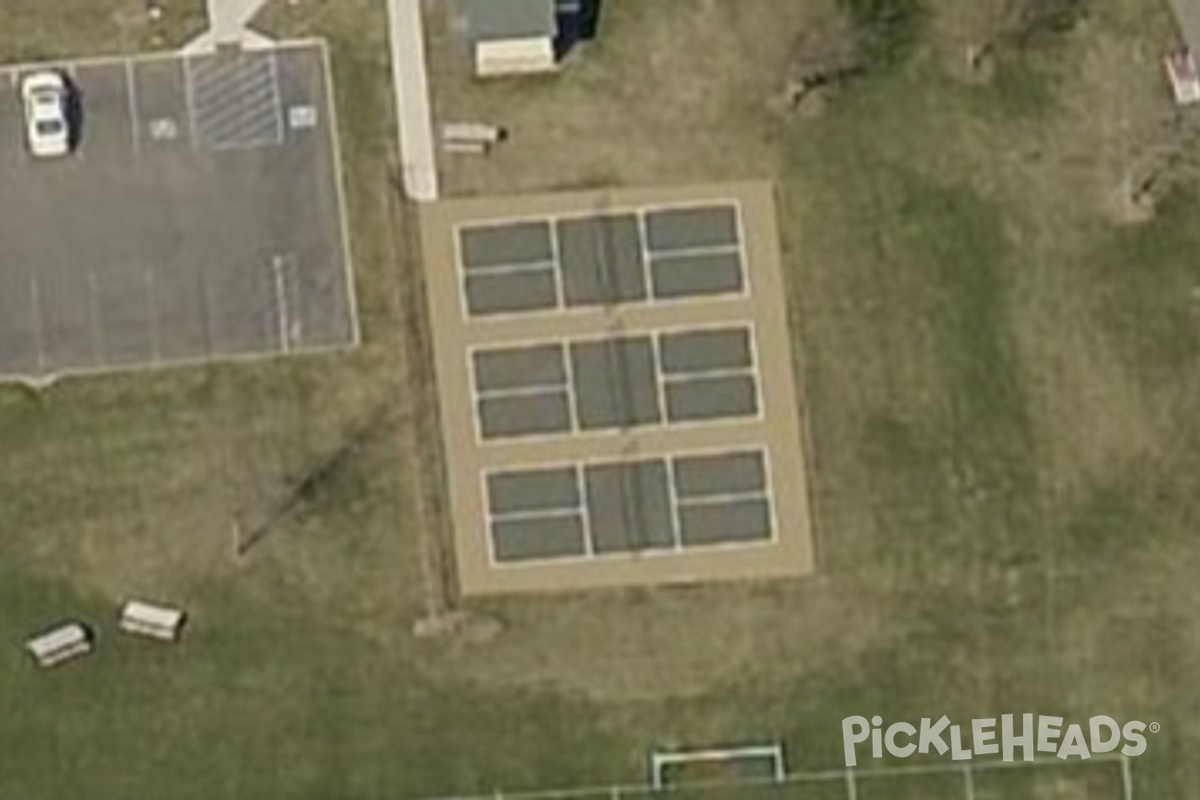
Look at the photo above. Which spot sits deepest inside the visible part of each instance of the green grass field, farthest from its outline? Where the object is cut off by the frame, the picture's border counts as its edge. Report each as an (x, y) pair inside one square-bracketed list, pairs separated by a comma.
[(1000, 381)]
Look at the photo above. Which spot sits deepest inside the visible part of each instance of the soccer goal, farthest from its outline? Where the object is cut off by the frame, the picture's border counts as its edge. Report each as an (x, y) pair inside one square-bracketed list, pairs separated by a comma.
[(762, 763)]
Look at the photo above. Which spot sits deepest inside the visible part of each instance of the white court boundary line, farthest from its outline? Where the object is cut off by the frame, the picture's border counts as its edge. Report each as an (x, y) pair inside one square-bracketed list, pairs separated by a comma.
[(668, 460), (585, 499), (609, 210), (578, 511), (566, 343), (640, 212), (753, 371)]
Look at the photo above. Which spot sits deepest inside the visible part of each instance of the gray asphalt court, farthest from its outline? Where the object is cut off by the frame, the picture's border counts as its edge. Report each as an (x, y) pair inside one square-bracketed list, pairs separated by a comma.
[(625, 382), (198, 218), (616, 383), (638, 505), (601, 260)]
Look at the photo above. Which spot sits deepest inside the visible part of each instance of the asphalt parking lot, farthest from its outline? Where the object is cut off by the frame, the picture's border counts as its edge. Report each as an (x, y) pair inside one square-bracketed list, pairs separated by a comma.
[(199, 217)]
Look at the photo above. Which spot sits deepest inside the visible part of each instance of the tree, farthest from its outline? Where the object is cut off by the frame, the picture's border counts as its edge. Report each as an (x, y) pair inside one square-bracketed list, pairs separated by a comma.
[(887, 30), (858, 36), (983, 30), (823, 54)]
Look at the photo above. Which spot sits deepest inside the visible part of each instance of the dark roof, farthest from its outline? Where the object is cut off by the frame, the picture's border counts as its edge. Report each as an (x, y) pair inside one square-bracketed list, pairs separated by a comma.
[(508, 19)]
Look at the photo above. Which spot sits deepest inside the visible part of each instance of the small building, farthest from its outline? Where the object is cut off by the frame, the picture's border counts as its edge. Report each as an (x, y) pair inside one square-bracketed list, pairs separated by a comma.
[(1185, 80), (60, 644), (511, 37), (1181, 64), (147, 619)]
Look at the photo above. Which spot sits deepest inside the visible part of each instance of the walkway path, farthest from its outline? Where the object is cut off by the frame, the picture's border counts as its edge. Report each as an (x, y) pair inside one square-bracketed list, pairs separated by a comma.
[(228, 21), (413, 119)]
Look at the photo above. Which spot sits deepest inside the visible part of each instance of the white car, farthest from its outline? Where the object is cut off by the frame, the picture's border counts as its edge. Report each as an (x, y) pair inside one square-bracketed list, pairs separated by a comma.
[(47, 127)]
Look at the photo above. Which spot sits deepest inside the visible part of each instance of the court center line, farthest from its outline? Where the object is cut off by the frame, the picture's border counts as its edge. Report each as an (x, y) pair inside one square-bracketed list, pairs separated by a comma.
[(545, 513), (524, 391), (708, 374), (507, 269), (726, 497), (730, 248)]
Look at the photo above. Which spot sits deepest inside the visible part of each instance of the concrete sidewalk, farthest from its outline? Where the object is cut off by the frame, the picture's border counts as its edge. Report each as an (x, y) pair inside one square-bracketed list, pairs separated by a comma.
[(228, 22), (414, 121)]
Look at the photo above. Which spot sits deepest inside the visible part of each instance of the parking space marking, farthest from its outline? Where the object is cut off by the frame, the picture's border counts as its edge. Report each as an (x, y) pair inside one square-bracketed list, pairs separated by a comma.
[(281, 304), (206, 309), (189, 100), (278, 100), (152, 316), (49, 324), (135, 122), (339, 178), (98, 347), (36, 309), (18, 152), (236, 104)]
